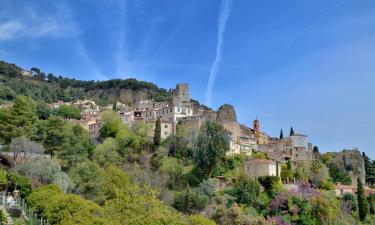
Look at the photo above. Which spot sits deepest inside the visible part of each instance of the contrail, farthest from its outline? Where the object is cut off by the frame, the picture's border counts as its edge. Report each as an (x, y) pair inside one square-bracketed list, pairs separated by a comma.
[(310, 26), (225, 10), (121, 55)]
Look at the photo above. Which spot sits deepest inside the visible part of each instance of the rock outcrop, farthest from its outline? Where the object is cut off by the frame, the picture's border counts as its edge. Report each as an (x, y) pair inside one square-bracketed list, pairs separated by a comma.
[(226, 113), (351, 161)]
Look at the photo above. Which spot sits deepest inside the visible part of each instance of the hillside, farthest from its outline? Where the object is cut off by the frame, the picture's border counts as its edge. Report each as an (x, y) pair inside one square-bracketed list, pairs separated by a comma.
[(50, 88)]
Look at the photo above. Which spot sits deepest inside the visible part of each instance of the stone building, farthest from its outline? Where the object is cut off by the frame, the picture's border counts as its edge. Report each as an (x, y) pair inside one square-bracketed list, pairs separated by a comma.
[(262, 167), (180, 94), (127, 117), (166, 129), (238, 141), (144, 105)]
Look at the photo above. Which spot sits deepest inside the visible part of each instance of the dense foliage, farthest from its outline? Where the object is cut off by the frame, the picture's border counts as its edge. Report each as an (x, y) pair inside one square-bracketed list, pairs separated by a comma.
[(50, 88)]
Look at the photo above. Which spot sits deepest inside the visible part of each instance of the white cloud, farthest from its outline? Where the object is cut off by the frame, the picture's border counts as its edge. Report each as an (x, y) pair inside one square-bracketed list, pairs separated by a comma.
[(225, 10), (9, 29), (32, 22)]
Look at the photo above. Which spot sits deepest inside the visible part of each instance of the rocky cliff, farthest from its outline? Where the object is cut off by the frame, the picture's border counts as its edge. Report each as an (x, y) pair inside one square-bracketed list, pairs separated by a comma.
[(226, 113), (350, 161)]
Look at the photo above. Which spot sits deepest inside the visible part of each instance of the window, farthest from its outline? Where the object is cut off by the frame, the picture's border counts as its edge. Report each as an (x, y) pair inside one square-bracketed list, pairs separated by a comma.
[(165, 126), (165, 133), (171, 110)]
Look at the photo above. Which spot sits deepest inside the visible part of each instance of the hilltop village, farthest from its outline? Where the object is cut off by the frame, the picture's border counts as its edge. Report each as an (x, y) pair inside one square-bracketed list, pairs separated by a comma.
[(128, 152), (180, 111)]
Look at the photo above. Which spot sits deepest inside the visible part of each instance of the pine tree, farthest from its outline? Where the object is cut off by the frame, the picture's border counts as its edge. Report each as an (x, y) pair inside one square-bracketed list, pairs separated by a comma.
[(289, 164), (281, 134), (114, 106), (291, 131), (362, 202), (369, 169), (157, 134), (371, 201)]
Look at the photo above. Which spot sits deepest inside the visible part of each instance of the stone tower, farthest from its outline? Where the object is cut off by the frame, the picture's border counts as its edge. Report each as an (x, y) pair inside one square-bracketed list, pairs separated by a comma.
[(256, 126), (180, 94)]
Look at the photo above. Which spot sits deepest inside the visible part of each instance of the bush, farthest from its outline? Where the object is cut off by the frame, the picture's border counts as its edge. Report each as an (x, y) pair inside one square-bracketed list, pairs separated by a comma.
[(247, 191), (21, 183), (190, 202), (271, 184)]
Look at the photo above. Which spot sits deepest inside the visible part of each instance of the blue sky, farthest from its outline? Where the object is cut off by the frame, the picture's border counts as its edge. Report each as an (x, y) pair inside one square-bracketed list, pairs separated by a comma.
[(300, 63)]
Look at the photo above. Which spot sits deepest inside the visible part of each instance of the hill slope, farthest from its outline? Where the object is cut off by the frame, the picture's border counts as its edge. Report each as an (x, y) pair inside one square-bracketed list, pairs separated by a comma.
[(50, 88)]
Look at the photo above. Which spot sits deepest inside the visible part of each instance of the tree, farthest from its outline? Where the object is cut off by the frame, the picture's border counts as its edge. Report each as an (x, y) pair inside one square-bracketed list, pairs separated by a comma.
[(289, 164), (291, 131), (235, 215), (54, 134), (42, 110), (66, 209), (190, 201), (369, 169), (20, 120), (339, 174), (271, 184), (349, 203), (318, 173), (106, 154), (3, 178), (111, 124), (129, 203), (371, 202), (173, 169), (362, 202), (316, 152), (77, 146), (212, 145), (68, 112), (114, 106), (24, 148), (324, 209), (88, 177), (157, 133), (247, 191), (45, 171), (281, 134), (20, 183)]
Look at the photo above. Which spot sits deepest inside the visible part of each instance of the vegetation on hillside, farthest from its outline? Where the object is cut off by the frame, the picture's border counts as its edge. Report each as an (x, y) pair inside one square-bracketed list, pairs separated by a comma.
[(128, 178)]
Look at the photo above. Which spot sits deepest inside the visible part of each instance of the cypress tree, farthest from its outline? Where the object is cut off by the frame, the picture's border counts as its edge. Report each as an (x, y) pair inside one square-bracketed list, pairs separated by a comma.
[(289, 164), (157, 134), (362, 202), (291, 131), (114, 106), (371, 201), (281, 134)]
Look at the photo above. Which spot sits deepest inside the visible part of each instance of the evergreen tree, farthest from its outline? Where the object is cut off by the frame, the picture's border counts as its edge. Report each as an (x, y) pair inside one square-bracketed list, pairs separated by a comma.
[(371, 202), (362, 202), (291, 131), (289, 165), (157, 134), (316, 152), (114, 106), (281, 134), (212, 145), (369, 169)]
